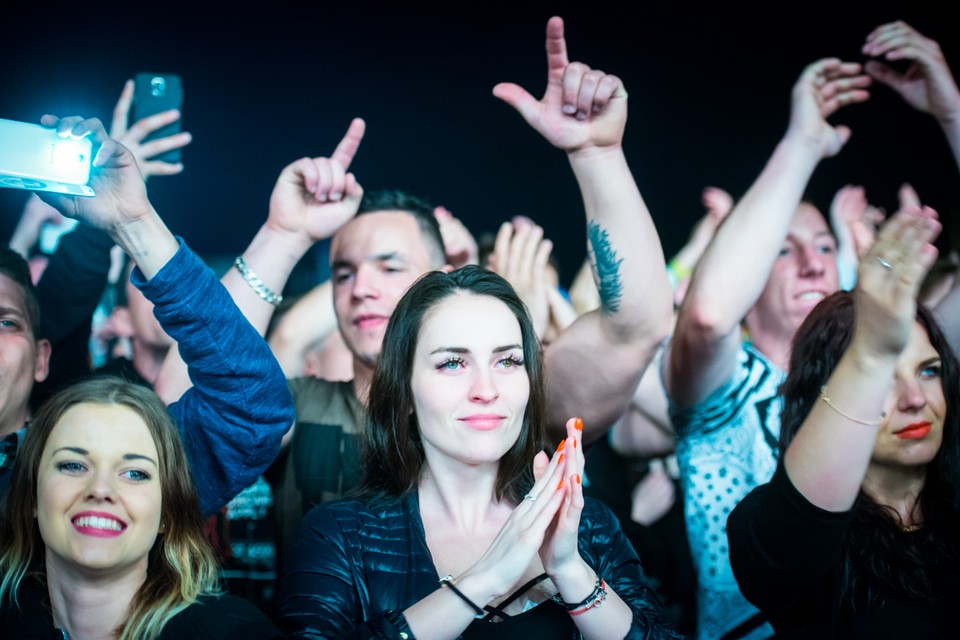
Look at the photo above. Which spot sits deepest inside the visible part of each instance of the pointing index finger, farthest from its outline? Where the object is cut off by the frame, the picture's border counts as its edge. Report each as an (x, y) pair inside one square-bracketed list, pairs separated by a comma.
[(347, 148), (557, 59)]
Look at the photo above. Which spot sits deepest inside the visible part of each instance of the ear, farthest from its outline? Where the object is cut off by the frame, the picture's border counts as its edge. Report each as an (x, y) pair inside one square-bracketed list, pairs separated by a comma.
[(42, 365)]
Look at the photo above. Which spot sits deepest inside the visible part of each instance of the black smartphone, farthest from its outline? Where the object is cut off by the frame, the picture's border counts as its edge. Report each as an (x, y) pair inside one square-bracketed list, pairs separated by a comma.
[(153, 93)]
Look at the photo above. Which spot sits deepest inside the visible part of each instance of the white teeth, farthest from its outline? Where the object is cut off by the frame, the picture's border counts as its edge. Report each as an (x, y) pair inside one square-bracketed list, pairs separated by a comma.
[(811, 295), (95, 522)]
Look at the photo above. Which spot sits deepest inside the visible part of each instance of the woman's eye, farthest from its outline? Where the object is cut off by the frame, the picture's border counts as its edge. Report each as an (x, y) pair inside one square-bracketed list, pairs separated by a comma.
[(70, 467), (137, 474), (510, 362), (453, 364), (930, 371)]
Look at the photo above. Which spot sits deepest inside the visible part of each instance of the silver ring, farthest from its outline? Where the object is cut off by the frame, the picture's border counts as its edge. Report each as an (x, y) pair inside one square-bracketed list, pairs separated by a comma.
[(884, 263), (529, 497)]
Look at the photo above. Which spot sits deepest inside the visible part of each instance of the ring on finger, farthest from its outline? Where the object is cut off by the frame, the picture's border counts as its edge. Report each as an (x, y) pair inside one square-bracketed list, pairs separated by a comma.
[(529, 497), (883, 263)]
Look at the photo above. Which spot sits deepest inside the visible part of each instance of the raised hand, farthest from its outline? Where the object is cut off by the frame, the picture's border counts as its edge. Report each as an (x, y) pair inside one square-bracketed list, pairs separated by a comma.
[(121, 194), (927, 85), (132, 136), (824, 87), (717, 202), (582, 108), (314, 197), (520, 255), (459, 245), (854, 219), (653, 496), (890, 276)]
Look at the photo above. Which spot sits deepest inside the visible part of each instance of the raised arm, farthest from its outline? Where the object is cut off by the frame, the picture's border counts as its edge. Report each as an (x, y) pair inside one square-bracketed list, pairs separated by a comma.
[(828, 458), (927, 85), (313, 197), (595, 364), (734, 268), (234, 418)]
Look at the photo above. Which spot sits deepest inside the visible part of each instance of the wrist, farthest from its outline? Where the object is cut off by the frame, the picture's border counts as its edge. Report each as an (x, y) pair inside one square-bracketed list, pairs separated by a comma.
[(574, 581), (592, 153), (292, 243)]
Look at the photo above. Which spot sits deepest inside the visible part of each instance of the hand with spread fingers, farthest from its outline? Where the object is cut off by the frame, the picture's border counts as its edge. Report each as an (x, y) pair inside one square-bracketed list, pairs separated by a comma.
[(823, 88), (458, 243), (927, 84), (132, 136)]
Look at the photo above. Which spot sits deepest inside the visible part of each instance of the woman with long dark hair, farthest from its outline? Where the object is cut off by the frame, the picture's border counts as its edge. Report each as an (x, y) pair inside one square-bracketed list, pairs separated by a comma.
[(858, 533), (464, 526)]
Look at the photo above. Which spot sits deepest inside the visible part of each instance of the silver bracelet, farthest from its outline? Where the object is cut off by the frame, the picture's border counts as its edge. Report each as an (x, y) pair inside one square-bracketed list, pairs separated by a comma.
[(256, 283)]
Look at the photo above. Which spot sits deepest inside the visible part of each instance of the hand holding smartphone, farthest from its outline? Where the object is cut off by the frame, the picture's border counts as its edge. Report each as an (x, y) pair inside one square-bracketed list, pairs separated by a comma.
[(35, 158)]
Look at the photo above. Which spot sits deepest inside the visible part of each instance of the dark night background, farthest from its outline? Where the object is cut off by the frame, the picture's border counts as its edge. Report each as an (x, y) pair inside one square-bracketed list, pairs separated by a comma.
[(268, 82)]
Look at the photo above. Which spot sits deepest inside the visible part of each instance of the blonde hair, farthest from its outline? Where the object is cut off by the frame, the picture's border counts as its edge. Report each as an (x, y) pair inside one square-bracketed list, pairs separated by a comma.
[(181, 566)]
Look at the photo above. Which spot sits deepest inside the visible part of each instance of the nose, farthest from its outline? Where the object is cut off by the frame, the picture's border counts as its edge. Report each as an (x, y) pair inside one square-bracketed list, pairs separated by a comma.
[(811, 261), (910, 396), (101, 487), (483, 388), (365, 282)]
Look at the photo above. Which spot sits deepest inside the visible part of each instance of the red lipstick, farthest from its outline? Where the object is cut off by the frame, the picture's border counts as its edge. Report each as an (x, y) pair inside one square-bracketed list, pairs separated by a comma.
[(914, 431)]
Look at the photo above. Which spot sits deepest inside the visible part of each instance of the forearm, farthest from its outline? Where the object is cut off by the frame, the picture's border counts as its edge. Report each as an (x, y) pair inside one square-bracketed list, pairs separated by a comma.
[(147, 241), (951, 129), (271, 255), (595, 364), (733, 270), (304, 325), (828, 458)]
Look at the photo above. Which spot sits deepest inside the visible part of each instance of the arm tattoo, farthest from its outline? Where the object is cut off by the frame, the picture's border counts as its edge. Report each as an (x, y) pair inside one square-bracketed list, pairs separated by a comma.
[(606, 267)]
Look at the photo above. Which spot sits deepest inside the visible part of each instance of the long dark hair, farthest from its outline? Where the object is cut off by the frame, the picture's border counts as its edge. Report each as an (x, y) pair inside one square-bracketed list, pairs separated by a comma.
[(391, 450), (877, 554)]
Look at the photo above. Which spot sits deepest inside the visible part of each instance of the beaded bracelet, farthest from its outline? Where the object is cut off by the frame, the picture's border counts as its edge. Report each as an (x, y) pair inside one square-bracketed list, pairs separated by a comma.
[(256, 283), (447, 581), (595, 599)]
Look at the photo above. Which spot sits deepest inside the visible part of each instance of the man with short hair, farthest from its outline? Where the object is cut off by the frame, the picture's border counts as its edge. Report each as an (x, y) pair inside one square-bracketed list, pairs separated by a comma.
[(768, 265), (593, 366)]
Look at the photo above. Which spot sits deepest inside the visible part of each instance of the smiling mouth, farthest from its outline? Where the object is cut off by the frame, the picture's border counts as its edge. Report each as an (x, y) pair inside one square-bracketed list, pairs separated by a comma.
[(812, 295), (98, 526), (368, 322)]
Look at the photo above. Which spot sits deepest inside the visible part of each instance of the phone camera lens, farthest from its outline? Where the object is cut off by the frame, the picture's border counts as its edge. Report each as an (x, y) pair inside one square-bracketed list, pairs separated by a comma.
[(158, 86)]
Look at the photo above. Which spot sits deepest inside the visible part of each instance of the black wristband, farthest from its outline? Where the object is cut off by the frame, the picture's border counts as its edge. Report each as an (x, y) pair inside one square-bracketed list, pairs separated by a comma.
[(447, 581)]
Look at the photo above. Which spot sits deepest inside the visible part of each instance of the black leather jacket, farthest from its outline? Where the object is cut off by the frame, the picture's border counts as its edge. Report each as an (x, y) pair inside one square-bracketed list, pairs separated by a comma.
[(358, 564)]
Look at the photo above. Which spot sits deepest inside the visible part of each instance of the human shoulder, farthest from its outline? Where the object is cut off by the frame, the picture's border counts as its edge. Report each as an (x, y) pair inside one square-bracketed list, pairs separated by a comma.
[(317, 395), (221, 617)]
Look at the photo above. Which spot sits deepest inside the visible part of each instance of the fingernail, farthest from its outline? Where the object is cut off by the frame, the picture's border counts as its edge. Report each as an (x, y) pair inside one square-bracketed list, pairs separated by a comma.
[(578, 478), (563, 443), (574, 444), (569, 109), (560, 486), (578, 424), (560, 459)]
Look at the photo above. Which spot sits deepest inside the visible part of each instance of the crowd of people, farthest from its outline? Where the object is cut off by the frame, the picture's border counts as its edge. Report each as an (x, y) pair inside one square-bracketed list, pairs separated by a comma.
[(441, 441)]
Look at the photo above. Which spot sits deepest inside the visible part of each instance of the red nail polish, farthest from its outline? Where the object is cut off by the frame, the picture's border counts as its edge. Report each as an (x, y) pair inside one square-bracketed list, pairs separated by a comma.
[(560, 459), (560, 486), (563, 443), (578, 478), (574, 444), (578, 424)]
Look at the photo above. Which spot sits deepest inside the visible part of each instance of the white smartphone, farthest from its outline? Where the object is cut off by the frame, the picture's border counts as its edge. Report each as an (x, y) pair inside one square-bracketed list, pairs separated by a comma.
[(35, 158)]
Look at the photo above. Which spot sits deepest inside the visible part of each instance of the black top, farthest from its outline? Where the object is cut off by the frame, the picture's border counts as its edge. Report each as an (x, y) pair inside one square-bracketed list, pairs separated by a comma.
[(787, 555), (210, 618)]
